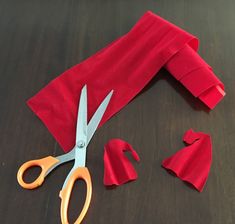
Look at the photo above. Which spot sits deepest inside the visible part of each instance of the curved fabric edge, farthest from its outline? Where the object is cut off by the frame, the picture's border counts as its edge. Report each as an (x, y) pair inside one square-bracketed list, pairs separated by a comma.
[(183, 179)]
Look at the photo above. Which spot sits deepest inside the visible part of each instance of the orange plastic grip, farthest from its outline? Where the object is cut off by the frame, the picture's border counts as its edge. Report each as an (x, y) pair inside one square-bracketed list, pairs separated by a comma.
[(79, 173), (45, 164)]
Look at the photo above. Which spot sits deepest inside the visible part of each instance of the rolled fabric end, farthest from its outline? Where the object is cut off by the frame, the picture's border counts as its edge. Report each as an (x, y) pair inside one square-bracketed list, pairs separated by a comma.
[(212, 96), (197, 76)]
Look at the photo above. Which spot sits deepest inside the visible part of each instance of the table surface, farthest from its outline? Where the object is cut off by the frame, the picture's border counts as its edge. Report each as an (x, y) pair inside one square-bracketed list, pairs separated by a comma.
[(41, 39)]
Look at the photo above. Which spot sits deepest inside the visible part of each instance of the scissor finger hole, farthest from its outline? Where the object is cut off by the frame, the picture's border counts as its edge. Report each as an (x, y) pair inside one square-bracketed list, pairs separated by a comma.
[(77, 200), (30, 175)]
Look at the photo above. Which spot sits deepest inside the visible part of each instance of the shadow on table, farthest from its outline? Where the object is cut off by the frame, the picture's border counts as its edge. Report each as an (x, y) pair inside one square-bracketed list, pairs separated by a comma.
[(163, 74)]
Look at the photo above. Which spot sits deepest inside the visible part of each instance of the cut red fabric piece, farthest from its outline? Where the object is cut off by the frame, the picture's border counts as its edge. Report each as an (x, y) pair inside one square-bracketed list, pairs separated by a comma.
[(126, 66), (192, 163), (117, 167)]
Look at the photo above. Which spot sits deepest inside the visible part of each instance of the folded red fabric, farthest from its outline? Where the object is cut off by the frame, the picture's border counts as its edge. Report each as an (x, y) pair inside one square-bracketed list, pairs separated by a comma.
[(126, 66), (196, 75), (193, 162), (117, 168)]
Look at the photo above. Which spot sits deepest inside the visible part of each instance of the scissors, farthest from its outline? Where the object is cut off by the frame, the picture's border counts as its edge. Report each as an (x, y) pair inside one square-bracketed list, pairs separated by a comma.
[(84, 134)]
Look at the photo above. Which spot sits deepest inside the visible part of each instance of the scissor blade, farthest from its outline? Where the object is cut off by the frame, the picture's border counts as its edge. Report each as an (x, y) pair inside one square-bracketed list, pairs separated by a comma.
[(80, 155), (96, 118), (81, 130)]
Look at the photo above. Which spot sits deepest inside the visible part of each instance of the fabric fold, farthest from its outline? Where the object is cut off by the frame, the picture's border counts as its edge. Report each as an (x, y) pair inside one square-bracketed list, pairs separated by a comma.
[(197, 76), (117, 167)]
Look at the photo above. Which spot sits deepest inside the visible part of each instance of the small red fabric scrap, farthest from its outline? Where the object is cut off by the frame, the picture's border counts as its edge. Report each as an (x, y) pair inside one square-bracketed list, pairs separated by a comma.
[(193, 162), (117, 167)]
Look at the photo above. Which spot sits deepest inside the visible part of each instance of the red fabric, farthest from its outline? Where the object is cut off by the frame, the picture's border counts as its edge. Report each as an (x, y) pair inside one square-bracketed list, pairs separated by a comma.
[(117, 168), (126, 66), (192, 163), (197, 76)]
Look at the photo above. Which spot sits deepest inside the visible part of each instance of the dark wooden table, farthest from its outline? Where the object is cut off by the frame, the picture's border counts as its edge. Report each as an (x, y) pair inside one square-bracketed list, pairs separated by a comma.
[(41, 39)]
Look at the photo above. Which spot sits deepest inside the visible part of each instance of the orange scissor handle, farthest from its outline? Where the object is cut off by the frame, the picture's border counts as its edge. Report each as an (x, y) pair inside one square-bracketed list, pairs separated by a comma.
[(79, 173), (45, 164)]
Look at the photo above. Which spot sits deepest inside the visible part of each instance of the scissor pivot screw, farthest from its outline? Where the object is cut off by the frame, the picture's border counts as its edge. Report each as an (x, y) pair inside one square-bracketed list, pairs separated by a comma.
[(81, 144)]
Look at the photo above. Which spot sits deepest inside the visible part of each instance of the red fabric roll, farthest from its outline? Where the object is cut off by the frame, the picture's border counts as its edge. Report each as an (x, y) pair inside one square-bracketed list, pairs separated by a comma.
[(193, 162), (196, 75), (117, 168), (126, 66)]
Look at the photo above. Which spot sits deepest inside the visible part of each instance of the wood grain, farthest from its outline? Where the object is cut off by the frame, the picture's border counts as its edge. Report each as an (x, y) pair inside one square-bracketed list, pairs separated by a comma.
[(41, 39)]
